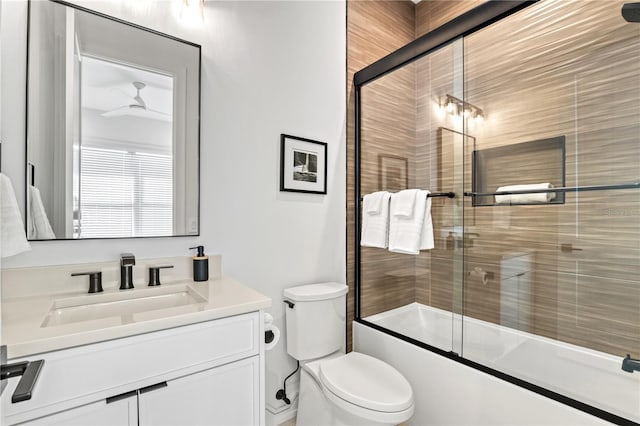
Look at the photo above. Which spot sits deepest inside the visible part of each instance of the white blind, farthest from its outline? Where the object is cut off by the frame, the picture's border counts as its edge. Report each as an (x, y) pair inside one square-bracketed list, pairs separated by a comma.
[(125, 194)]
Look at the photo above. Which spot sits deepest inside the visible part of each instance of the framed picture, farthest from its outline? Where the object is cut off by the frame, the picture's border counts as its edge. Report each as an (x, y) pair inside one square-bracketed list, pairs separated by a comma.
[(303, 165), (393, 173)]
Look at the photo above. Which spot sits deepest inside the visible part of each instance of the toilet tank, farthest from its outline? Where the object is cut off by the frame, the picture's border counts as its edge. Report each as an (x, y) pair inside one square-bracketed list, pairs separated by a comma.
[(315, 319)]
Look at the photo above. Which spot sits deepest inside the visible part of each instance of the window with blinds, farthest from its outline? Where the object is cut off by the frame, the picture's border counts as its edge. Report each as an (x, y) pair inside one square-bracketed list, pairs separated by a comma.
[(125, 194)]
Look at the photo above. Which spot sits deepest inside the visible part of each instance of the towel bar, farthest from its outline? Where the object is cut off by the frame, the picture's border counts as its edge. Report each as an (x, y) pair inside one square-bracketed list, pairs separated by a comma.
[(439, 194), (635, 185)]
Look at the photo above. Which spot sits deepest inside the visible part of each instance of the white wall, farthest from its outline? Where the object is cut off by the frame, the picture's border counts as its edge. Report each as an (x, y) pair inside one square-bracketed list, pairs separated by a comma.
[(267, 68)]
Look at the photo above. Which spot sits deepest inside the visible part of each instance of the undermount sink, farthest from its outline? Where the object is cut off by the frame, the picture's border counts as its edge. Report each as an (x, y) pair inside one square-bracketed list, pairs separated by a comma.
[(122, 303)]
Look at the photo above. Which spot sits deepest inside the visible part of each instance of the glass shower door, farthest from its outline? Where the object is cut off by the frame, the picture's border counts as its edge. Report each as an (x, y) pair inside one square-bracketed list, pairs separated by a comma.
[(411, 137), (551, 292)]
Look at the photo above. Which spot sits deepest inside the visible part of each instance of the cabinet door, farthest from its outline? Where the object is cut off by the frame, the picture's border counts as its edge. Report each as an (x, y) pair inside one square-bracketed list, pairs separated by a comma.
[(226, 395), (123, 412)]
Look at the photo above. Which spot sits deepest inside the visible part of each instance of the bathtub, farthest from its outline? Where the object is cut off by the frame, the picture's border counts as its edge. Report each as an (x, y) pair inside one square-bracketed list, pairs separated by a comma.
[(585, 375)]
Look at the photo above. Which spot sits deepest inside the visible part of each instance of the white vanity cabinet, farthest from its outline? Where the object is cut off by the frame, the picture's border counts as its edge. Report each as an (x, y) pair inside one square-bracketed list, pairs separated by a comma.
[(223, 395), (205, 373)]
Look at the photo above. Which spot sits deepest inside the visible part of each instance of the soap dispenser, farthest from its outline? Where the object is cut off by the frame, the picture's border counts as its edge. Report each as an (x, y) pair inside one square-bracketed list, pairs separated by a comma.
[(200, 265), (451, 242)]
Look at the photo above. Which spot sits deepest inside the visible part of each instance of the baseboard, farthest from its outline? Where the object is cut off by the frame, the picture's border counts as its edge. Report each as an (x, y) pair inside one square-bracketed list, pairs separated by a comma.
[(279, 418)]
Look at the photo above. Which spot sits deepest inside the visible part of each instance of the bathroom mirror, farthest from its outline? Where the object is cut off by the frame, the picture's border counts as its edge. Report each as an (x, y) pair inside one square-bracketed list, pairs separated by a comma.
[(112, 128)]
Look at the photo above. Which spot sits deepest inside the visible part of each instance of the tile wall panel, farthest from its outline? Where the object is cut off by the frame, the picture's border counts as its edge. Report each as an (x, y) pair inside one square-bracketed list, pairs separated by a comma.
[(562, 70), (374, 29)]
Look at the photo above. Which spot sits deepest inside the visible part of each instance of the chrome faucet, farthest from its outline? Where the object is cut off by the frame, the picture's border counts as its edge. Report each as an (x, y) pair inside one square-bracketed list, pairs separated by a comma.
[(127, 260), (630, 365)]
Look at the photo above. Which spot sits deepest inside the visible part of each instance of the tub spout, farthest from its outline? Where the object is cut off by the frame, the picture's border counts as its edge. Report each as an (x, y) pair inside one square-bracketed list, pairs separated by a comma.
[(630, 365)]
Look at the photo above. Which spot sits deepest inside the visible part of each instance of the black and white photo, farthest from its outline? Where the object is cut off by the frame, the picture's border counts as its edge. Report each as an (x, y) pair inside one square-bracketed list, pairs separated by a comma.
[(303, 165)]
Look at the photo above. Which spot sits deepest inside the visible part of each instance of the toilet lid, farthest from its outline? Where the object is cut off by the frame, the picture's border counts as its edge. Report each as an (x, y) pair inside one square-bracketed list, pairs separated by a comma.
[(368, 382)]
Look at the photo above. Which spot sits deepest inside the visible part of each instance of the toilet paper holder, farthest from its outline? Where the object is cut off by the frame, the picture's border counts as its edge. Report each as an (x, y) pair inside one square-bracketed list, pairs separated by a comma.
[(480, 273), (268, 336), (271, 332)]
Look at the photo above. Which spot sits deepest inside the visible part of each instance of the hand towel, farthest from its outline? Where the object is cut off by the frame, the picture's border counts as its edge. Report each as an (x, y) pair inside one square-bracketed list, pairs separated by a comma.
[(426, 239), (12, 238), (372, 203), (375, 226), (538, 197), (40, 228), (405, 202), (405, 232)]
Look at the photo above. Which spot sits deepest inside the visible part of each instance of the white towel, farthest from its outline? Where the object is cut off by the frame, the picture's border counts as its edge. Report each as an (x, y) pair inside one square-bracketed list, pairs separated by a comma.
[(375, 226), (426, 239), (13, 239), (405, 232), (404, 203), (39, 226), (372, 203), (538, 197)]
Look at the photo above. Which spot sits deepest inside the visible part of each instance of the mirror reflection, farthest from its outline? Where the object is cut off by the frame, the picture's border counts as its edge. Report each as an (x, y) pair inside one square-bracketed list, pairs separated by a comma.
[(113, 128)]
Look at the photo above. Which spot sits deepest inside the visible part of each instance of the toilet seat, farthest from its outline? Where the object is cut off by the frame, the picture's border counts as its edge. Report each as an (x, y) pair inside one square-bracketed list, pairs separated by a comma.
[(367, 382)]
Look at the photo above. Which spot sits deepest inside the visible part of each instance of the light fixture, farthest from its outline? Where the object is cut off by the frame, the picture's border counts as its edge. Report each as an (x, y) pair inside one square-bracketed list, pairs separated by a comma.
[(192, 10), (457, 107)]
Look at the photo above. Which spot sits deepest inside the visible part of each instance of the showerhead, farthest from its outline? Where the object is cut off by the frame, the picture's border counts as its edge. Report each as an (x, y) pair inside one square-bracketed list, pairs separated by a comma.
[(631, 12)]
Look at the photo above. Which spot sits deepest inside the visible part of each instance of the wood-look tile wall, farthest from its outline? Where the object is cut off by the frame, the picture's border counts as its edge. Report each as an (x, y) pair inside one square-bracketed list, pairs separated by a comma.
[(374, 29), (572, 69), (565, 70)]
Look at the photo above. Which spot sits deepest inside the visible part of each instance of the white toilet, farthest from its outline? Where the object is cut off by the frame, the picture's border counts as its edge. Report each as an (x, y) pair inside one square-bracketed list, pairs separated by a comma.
[(339, 389)]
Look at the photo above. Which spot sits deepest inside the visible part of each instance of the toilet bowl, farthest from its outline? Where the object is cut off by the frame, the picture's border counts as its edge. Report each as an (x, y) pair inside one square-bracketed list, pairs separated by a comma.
[(338, 388)]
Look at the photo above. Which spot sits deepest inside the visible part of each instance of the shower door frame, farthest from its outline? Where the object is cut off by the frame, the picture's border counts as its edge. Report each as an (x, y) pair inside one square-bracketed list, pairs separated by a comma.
[(466, 24)]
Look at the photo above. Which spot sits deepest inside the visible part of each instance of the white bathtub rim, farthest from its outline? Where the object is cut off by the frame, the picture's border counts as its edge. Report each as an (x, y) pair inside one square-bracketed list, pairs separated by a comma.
[(589, 358)]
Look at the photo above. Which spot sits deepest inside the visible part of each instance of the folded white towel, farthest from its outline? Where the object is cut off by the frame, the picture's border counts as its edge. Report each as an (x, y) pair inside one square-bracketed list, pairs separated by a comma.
[(405, 233), (12, 238), (39, 226), (538, 197), (375, 226), (372, 203), (426, 239), (404, 203)]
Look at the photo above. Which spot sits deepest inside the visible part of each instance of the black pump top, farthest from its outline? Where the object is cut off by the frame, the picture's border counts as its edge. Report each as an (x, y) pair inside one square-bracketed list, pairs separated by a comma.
[(200, 250)]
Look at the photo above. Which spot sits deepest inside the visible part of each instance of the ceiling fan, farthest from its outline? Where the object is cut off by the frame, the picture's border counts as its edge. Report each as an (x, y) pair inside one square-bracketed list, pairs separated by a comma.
[(138, 107)]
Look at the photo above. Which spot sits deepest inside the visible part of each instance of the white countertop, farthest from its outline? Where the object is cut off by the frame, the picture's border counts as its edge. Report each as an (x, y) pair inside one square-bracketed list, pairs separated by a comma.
[(23, 315)]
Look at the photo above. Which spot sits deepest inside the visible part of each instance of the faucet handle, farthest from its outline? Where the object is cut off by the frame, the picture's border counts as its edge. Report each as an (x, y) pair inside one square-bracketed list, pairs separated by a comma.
[(95, 280), (127, 259), (154, 274)]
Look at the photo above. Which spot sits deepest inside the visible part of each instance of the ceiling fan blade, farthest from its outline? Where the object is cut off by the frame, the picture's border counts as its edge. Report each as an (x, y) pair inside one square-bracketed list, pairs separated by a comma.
[(118, 112), (132, 111), (138, 108)]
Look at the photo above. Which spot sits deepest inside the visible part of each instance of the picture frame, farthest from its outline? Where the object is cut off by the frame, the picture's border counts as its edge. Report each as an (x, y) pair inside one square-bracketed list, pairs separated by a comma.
[(393, 173), (303, 165)]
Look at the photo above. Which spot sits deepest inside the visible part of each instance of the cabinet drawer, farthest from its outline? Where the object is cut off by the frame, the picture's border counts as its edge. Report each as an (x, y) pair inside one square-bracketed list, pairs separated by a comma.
[(76, 376)]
